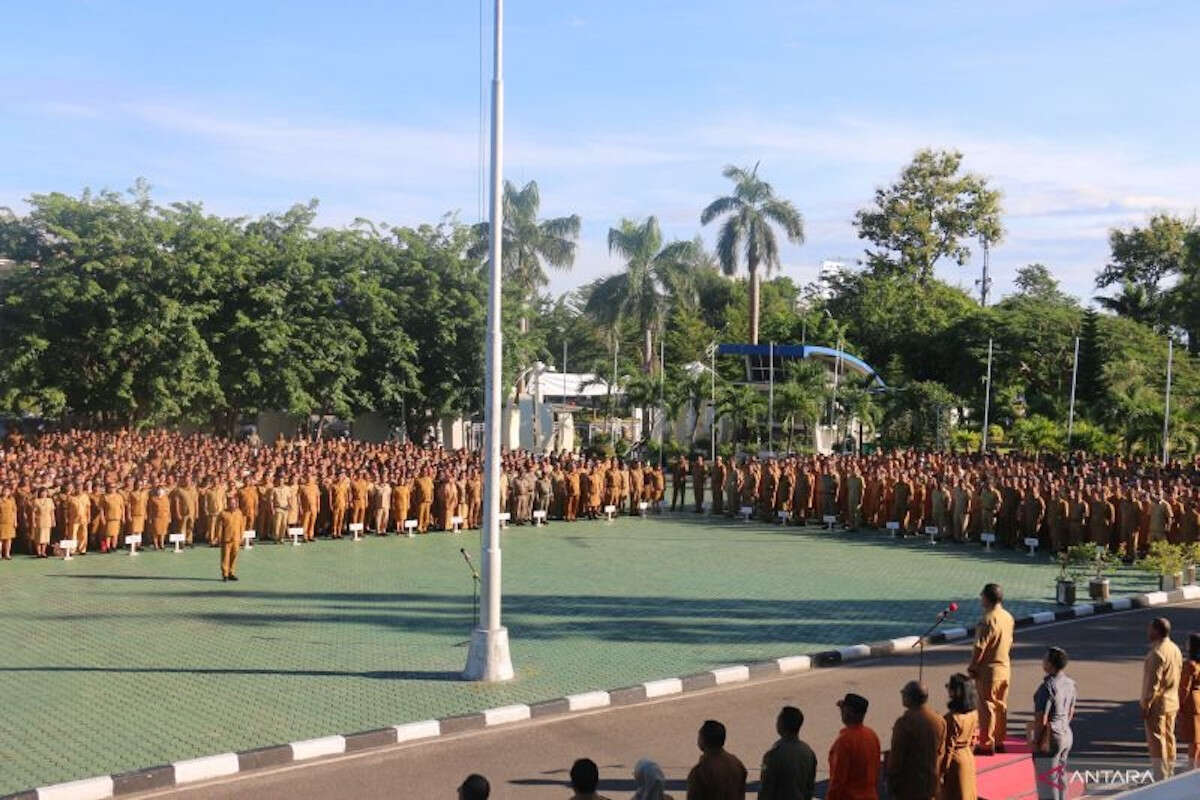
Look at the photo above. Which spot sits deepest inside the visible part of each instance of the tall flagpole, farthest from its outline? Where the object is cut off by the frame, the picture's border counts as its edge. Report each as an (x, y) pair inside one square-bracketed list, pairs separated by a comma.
[(662, 393), (488, 658), (1071, 413), (1167, 402), (771, 399), (987, 401)]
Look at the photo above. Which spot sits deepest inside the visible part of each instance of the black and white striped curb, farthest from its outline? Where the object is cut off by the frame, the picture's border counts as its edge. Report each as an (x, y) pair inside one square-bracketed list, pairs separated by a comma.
[(182, 773)]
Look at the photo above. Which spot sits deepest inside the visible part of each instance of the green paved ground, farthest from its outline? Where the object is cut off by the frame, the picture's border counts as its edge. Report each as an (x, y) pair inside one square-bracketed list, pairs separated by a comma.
[(113, 663)]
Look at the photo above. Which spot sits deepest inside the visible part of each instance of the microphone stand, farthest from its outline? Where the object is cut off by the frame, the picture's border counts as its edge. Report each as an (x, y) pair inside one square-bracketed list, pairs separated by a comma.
[(941, 617), (475, 584)]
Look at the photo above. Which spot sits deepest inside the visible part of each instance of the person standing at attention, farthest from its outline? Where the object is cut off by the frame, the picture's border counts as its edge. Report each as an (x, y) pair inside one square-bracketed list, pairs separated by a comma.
[(1160, 697), (990, 667), (854, 756)]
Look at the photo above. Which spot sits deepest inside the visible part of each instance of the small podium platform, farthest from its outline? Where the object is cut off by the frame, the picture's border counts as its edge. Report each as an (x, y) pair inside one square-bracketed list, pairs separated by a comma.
[(1012, 775)]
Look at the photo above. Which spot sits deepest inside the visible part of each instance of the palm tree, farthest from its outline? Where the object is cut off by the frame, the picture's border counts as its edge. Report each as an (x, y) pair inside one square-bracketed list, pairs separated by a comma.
[(529, 243), (802, 396), (653, 275), (744, 405), (859, 402), (1134, 300), (749, 213)]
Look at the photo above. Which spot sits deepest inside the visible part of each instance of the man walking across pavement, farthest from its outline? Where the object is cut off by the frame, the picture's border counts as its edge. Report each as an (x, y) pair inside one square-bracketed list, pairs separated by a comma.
[(918, 738), (1160, 697), (789, 768), (990, 667), (719, 775)]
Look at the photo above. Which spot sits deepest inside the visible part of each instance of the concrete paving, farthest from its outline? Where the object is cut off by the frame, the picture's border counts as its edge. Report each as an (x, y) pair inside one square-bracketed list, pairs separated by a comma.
[(531, 760)]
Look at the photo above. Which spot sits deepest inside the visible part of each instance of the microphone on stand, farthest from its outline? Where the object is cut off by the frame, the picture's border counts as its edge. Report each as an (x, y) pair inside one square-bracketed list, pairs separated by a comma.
[(920, 643), (471, 564)]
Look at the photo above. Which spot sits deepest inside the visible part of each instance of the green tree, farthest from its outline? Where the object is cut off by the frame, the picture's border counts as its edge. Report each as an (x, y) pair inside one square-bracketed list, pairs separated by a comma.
[(655, 275), (528, 244), (750, 214), (927, 215)]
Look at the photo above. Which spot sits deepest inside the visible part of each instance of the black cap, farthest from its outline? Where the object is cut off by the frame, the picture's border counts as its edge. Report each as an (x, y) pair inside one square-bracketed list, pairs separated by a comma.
[(855, 702)]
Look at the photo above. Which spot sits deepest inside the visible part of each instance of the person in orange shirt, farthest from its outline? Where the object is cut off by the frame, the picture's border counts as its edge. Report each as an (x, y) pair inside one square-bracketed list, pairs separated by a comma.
[(360, 489), (423, 495), (855, 755), (401, 497), (230, 524)]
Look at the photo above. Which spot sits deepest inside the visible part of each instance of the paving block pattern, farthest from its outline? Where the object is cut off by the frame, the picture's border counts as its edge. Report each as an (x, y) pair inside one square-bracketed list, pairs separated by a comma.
[(122, 662)]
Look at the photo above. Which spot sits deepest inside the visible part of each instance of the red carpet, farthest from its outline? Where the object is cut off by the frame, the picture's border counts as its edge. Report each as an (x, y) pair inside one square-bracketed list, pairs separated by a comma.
[(1011, 775)]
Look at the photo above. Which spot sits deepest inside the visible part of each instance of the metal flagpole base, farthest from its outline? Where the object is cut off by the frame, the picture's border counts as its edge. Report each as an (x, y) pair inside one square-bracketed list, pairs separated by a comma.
[(488, 658)]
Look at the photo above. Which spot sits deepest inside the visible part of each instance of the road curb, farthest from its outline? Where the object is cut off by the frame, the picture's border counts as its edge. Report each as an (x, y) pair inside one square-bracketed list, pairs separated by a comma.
[(183, 773)]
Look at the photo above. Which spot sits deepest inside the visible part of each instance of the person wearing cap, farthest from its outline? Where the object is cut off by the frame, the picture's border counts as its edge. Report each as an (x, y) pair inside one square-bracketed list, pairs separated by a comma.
[(990, 667), (854, 756), (918, 740), (789, 768), (719, 775), (1160, 697)]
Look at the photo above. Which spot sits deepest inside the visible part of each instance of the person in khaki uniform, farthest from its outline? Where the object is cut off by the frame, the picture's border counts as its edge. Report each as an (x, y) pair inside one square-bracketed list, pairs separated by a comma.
[(79, 510), (247, 496), (990, 667), (8, 521), (185, 502), (423, 497), (158, 509), (112, 507), (230, 524), (137, 498), (914, 764), (339, 501), (280, 500), (42, 520), (1160, 697), (401, 499), (310, 504)]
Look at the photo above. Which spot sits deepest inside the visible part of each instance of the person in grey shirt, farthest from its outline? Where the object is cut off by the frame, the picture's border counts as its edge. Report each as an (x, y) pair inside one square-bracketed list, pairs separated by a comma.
[(789, 768), (1053, 710)]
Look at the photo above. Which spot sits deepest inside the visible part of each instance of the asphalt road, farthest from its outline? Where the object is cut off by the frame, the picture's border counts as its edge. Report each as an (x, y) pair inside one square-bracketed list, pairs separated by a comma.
[(531, 760)]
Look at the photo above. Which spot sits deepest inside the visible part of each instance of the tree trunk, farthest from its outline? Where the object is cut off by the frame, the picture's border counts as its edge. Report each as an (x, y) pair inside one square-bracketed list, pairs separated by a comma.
[(648, 352), (754, 299)]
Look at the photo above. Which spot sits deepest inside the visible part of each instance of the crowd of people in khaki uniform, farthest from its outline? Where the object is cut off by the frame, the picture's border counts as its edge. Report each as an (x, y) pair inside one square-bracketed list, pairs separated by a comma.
[(1061, 501)]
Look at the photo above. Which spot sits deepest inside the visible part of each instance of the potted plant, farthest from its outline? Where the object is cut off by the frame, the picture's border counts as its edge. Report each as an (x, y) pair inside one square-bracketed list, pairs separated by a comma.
[(1167, 562), (1097, 562), (1068, 576)]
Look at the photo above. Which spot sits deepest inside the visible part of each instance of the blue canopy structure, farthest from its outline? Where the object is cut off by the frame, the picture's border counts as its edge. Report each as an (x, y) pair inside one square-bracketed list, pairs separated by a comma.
[(757, 356)]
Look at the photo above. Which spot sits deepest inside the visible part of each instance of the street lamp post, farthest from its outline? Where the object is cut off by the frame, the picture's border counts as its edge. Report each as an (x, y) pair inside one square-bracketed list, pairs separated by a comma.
[(488, 658)]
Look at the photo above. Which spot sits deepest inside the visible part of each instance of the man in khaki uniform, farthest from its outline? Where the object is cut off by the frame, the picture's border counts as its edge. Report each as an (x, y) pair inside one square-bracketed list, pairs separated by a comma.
[(990, 667), (280, 500), (230, 524), (1160, 697)]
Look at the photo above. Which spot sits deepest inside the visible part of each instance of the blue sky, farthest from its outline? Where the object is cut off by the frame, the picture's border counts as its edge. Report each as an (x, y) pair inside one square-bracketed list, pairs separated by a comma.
[(1085, 114)]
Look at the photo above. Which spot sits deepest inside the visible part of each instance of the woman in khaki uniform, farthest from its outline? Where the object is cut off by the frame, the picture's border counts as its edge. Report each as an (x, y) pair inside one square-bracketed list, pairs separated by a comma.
[(158, 510), (43, 521), (958, 758), (8, 522)]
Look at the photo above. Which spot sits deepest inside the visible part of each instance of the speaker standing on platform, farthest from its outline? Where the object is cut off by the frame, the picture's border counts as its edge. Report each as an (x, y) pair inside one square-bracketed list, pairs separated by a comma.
[(990, 667)]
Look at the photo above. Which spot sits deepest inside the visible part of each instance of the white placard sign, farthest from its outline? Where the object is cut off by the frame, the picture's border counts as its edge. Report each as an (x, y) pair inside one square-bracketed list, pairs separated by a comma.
[(295, 533), (133, 540), (456, 522), (745, 512), (988, 540), (177, 539), (1032, 543), (609, 511), (410, 525), (67, 546), (539, 518), (248, 537)]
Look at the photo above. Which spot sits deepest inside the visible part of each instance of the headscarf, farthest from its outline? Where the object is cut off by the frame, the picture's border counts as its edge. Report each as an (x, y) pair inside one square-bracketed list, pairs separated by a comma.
[(648, 777)]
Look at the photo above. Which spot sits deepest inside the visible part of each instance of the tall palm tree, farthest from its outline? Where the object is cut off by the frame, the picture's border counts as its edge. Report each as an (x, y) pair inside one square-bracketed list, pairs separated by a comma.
[(1134, 300), (654, 274), (749, 214), (528, 244), (802, 396), (744, 405)]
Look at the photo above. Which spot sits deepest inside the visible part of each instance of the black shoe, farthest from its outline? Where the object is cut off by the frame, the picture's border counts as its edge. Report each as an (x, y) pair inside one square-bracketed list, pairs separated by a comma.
[(1000, 749), (233, 577), (224, 578)]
